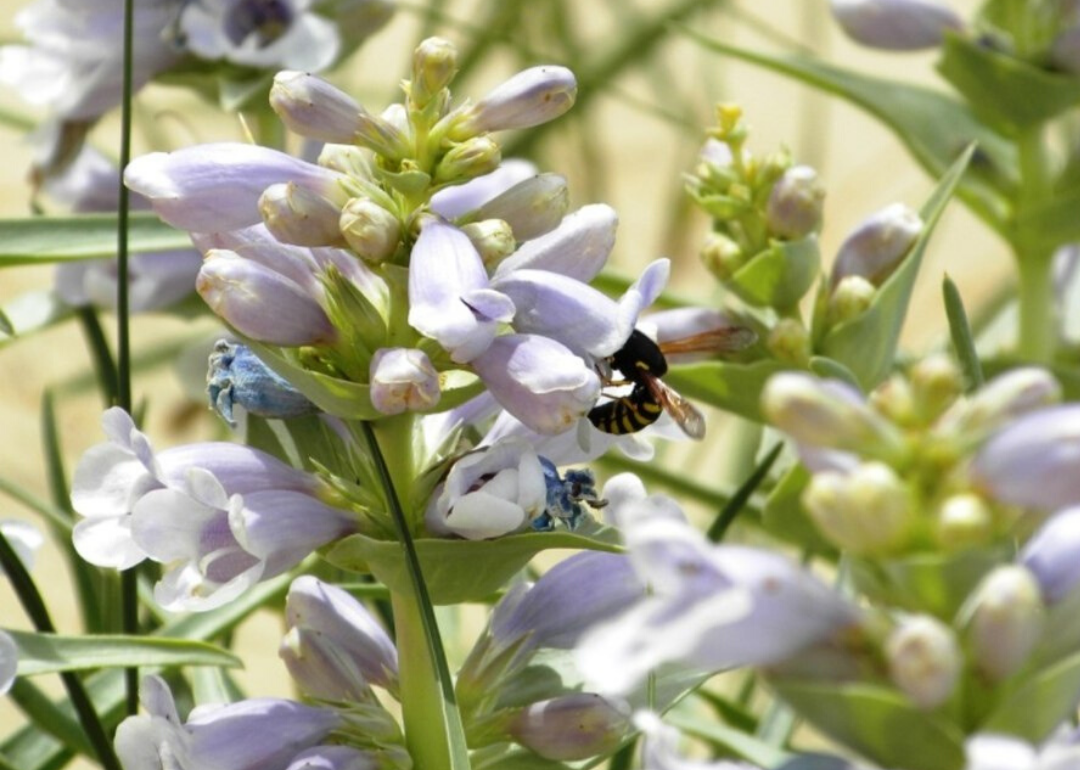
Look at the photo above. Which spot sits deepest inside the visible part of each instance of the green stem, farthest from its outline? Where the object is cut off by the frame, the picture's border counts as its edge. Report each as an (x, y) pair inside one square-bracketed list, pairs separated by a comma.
[(1038, 337)]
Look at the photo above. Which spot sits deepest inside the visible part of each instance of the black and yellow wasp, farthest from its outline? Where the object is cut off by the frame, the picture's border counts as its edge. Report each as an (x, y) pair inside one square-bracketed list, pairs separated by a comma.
[(642, 362)]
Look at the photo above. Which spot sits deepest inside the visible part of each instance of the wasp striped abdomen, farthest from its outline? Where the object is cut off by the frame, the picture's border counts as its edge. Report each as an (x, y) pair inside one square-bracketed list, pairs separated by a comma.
[(627, 414)]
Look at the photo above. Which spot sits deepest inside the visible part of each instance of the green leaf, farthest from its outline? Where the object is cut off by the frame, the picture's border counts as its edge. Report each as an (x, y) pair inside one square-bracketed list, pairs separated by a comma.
[(1007, 93), (780, 275), (352, 400), (867, 343), (828, 368), (933, 126), (42, 240), (933, 583), (880, 724), (729, 739), (962, 339), (1040, 703), (728, 385), (742, 495), (1052, 222), (462, 570), (50, 653)]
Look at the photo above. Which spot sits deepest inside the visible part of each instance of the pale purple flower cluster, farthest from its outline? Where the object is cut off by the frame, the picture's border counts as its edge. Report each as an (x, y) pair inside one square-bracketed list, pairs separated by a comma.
[(219, 516)]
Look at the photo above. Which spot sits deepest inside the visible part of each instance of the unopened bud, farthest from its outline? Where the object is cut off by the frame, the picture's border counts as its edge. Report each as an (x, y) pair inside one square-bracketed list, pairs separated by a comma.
[(895, 400), (795, 204), (434, 66), (896, 25), (297, 215), (962, 521), (529, 98), (572, 727), (866, 511), (877, 246), (850, 299), (468, 160), (828, 413), (311, 107), (347, 158), (1053, 555), (1002, 399), (1005, 619), (789, 341), (532, 207), (403, 379), (936, 383), (370, 230), (493, 239), (924, 660), (721, 255)]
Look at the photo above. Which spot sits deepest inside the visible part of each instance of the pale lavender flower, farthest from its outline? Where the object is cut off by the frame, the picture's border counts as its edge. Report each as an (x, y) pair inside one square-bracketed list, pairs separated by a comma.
[(531, 208), (488, 493), (334, 648), (572, 727), (578, 248), (990, 751), (9, 662), (1053, 555), (529, 98), (896, 25), (1031, 462), (877, 246), (539, 381), (1004, 620), (456, 201), (403, 379), (335, 758), (261, 303), (215, 545), (709, 607), (111, 478), (255, 734), (450, 299), (216, 187)]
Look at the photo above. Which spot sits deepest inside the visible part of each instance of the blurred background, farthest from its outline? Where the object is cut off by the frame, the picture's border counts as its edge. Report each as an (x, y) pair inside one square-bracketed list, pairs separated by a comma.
[(647, 94)]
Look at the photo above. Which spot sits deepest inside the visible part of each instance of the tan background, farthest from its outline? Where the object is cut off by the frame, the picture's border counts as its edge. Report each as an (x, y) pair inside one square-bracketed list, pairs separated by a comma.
[(637, 171)]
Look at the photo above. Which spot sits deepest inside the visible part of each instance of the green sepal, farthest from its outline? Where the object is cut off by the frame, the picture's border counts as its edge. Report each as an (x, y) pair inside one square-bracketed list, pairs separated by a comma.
[(867, 343), (879, 723), (779, 275), (932, 583), (352, 400), (1007, 93), (408, 183), (458, 571), (1039, 703), (50, 653), (1052, 222), (734, 387), (785, 517), (935, 127), (42, 240)]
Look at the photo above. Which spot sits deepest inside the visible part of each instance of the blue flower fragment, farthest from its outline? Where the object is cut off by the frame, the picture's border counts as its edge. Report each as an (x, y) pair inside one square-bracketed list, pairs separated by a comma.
[(238, 377)]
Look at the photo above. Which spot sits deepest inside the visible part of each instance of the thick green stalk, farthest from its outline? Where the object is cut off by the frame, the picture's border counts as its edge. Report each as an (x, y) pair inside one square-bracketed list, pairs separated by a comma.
[(1038, 336)]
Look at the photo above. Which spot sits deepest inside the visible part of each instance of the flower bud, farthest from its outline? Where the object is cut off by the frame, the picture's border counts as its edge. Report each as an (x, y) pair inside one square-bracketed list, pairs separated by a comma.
[(895, 400), (347, 159), (877, 246), (529, 98), (313, 108), (1004, 398), (935, 383), (370, 230), (795, 204), (789, 341), (260, 303), (434, 66), (297, 215), (334, 648), (467, 160), (924, 660), (828, 413), (493, 239), (721, 255), (1031, 462), (403, 379), (1005, 618), (1053, 555), (850, 299), (896, 25), (962, 521), (572, 727), (531, 208), (866, 511)]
